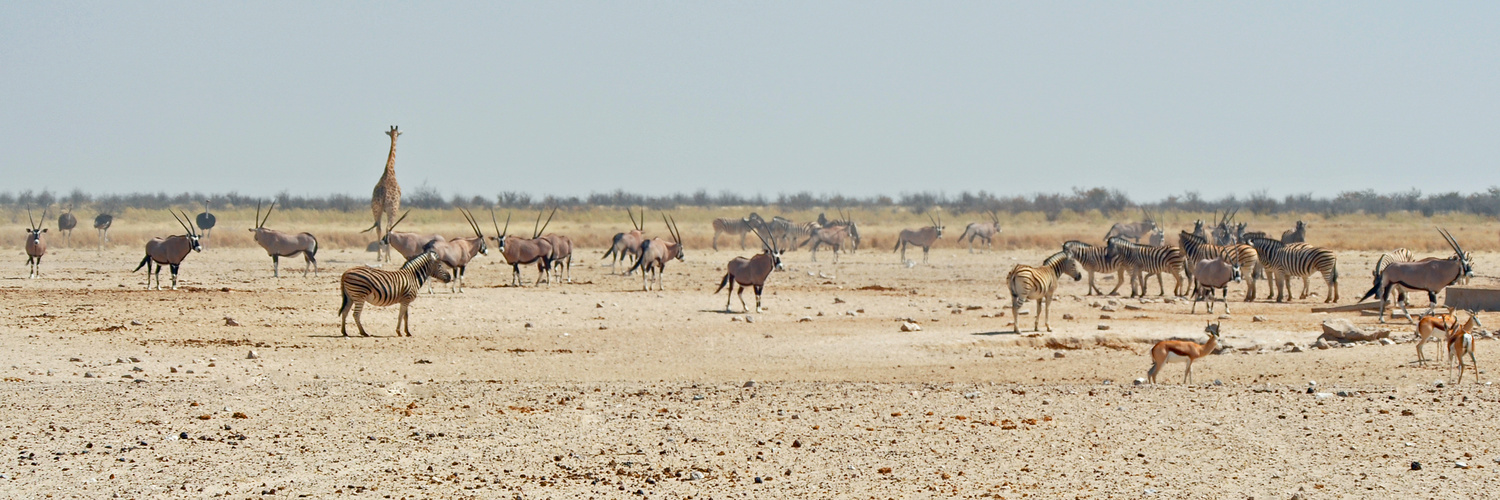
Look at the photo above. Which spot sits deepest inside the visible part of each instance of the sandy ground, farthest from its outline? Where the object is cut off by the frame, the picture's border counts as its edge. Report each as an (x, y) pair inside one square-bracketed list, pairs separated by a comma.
[(598, 389)]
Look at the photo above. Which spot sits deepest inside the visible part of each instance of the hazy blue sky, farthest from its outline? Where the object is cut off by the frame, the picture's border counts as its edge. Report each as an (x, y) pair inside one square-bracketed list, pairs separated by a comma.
[(860, 97)]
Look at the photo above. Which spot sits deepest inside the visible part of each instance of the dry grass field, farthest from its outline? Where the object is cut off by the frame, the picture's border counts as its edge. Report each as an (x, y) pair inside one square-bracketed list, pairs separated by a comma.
[(597, 389)]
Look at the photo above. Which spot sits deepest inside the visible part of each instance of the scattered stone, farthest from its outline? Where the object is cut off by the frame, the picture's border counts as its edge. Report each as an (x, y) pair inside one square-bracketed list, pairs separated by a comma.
[(1132, 307), (749, 384), (1321, 343), (1345, 394), (1460, 465), (1067, 316), (1139, 381), (695, 475), (1323, 395), (837, 300), (736, 319), (75, 360), (805, 319), (697, 397), (1218, 382), (173, 369), (989, 354), (90, 375), (252, 355), (529, 325), (1023, 312), (1257, 319), (1106, 316), (137, 369), (1107, 309), (1058, 355), (1439, 384), (1103, 326), (1343, 330), (1094, 304), (1387, 342), (1416, 466), (910, 327), (1224, 316), (749, 318), (240, 414), (228, 321), (603, 327), (1295, 348), (1114, 302), (136, 323), (599, 305)]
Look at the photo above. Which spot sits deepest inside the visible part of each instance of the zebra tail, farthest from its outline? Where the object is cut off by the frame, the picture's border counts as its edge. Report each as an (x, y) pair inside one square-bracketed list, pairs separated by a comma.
[(144, 261), (344, 307)]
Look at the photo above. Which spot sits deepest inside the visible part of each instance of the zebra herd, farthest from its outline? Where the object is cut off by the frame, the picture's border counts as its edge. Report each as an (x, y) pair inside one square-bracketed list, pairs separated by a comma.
[(1231, 251)]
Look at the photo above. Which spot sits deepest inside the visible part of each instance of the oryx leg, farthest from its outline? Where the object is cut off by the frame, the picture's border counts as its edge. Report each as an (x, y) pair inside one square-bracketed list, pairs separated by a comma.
[(758, 289), (924, 254), (275, 266), (174, 278), (742, 301)]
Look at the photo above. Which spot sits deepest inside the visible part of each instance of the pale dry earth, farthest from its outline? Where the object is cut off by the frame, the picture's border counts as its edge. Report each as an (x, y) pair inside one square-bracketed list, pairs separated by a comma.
[(612, 392)]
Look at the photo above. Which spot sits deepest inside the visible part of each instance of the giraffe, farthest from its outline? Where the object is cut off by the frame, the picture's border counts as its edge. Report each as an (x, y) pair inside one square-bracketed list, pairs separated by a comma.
[(386, 199)]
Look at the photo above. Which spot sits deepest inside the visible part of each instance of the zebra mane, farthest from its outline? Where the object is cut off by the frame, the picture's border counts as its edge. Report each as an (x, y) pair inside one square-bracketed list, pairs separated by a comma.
[(419, 261), (1054, 259)]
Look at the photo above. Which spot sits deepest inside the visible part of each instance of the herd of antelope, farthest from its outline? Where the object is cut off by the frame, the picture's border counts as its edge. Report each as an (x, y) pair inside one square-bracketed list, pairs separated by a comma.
[(1210, 257)]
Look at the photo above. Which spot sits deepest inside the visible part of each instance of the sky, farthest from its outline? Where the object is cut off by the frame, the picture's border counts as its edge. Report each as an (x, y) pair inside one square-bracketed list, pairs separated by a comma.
[(858, 98)]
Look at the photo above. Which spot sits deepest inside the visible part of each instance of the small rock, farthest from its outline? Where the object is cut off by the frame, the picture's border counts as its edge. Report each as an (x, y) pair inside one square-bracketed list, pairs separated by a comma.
[(135, 323), (1224, 316), (1067, 316), (1257, 319), (1460, 465), (971, 395), (599, 305), (695, 475), (757, 480), (1139, 381), (989, 354), (736, 319), (1295, 348), (1218, 382), (90, 375), (75, 360), (1323, 395), (1023, 312), (228, 321), (1345, 394), (837, 300), (1106, 316), (910, 327), (137, 369), (1107, 309), (252, 355), (1387, 342), (1103, 326), (1132, 307), (1439, 384), (804, 319), (529, 325), (1321, 344), (749, 384), (749, 318), (1114, 302), (172, 369), (603, 327), (1058, 355), (1416, 466), (697, 397)]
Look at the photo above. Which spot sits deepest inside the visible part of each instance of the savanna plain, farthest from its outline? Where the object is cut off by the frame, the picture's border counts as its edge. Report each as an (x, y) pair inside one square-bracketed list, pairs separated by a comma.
[(240, 384)]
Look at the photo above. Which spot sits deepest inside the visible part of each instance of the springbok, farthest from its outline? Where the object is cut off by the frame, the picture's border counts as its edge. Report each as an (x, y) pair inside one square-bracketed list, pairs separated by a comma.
[(36, 246), (518, 251), (1169, 351), (1210, 275), (102, 223), (627, 243), (280, 244), (983, 230), (409, 245), (1425, 326), (750, 272), (383, 288), (1431, 276), (207, 221), (655, 254), (1133, 231), (1461, 342), (65, 224), (923, 237), (457, 252), (170, 250)]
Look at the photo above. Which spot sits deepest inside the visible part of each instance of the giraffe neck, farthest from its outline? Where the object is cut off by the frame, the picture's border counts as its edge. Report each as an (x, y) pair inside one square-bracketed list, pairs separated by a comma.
[(390, 161)]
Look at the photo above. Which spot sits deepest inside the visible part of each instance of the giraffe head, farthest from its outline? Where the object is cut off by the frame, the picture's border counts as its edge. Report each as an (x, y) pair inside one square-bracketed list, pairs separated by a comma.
[(393, 132)]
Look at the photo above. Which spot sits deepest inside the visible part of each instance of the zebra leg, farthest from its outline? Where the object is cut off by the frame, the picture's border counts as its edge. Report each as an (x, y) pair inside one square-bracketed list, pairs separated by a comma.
[(359, 307), (1119, 280), (1250, 288), (404, 320), (1161, 286), (344, 314), (1045, 306), (1015, 311), (716, 241)]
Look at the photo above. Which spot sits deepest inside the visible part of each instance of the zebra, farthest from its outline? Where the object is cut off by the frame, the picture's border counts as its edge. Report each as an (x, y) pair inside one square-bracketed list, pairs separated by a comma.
[(384, 288), (1285, 261), (1144, 261), (801, 232), (1038, 283), (1096, 260), (732, 227), (779, 228), (1388, 258), (1241, 255), (847, 220), (1298, 235)]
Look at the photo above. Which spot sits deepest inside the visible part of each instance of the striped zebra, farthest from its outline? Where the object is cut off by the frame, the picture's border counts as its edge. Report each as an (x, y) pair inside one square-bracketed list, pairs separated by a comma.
[(1240, 254), (384, 288), (1145, 261), (780, 229), (1298, 260), (801, 233), (735, 227), (1038, 283), (1393, 256), (1096, 260)]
